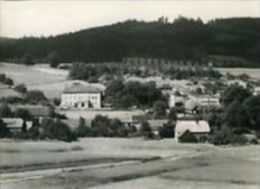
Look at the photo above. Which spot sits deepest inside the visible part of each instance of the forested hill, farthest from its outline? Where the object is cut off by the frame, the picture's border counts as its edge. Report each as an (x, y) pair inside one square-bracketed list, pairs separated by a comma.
[(231, 42)]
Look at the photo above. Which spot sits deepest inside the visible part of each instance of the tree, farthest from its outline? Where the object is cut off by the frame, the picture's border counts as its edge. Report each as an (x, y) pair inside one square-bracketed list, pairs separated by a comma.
[(234, 116), (2, 78), (21, 88), (28, 59), (9, 81), (172, 116), (4, 131), (35, 96), (53, 59), (24, 127), (82, 130), (5, 111), (55, 129), (56, 101), (100, 126), (34, 131), (118, 128), (188, 137), (23, 114), (167, 130), (252, 110), (234, 93), (159, 109), (145, 130)]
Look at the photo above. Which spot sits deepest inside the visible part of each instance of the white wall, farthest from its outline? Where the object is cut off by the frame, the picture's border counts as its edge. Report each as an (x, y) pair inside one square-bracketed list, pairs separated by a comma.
[(69, 100)]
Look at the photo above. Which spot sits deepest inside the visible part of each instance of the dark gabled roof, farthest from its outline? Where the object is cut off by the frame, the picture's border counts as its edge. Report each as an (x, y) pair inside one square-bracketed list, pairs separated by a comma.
[(81, 88)]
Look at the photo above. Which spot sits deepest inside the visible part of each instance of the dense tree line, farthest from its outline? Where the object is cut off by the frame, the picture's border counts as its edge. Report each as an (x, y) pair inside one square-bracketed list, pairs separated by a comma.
[(235, 41), (95, 72), (130, 94)]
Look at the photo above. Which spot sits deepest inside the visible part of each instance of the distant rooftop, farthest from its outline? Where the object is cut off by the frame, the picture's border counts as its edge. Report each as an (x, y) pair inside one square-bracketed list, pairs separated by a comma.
[(193, 126), (78, 87)]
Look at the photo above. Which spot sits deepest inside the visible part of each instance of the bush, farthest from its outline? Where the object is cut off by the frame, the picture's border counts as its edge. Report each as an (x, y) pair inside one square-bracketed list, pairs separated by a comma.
[(23, 114), (57, 130), (159, 108), (5, 111), (82, 130), (188, 137), (35, 97), (103, 126), (21, 88), (166, 131), (56, 101), (100, 126), (34, 131), (28, 59), (4, 131), (225, 136), (145, 130), (9, 81), (2, 78), (53, 59), (172, 114)]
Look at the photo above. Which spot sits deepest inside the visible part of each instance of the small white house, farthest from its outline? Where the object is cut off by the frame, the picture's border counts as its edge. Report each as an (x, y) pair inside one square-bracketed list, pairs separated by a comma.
[(81, 96), (200, 129)]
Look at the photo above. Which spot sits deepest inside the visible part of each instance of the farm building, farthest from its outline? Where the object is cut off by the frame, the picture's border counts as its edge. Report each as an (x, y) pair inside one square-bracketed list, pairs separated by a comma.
[(200, 101), (15, 124), (200, 129), (81, 96)]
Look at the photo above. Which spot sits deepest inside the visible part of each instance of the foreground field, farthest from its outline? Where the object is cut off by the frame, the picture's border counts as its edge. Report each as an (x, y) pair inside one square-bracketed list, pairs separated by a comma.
[(26, 153), (133, 163)]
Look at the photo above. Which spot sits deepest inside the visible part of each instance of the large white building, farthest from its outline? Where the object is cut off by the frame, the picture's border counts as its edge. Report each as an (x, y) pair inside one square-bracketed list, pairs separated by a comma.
[(81, 96)]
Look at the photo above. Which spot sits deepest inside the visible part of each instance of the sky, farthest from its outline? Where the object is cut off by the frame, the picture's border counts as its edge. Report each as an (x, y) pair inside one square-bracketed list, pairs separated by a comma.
[(45, 18)]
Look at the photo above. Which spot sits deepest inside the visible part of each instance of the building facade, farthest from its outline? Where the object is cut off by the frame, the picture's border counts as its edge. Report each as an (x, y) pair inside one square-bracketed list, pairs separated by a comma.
[(81, 96)]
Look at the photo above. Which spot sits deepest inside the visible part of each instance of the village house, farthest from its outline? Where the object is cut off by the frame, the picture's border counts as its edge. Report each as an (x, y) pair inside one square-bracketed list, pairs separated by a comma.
[(200, 129), (201, 101), (176, 100), (81, 96)]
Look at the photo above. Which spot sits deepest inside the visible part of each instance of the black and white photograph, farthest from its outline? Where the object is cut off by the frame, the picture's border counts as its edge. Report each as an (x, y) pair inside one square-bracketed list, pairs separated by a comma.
[(129, 94)]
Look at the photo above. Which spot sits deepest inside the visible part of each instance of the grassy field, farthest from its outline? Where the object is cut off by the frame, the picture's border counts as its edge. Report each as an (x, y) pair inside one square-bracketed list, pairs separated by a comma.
[(40, 77), (26, 153), (183, 166)]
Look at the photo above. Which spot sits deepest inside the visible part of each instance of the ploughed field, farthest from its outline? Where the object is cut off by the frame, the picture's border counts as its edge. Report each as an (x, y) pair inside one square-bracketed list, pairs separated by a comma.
[(126, 163)]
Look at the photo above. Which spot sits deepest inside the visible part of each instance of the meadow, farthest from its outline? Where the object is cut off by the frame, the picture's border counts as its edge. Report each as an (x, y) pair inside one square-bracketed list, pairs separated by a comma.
[(155, 164), (17, 153)]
